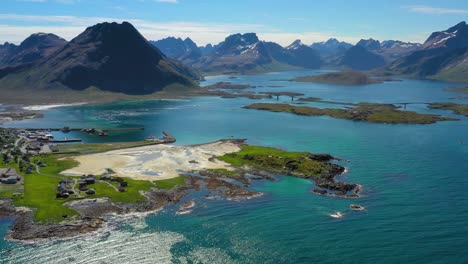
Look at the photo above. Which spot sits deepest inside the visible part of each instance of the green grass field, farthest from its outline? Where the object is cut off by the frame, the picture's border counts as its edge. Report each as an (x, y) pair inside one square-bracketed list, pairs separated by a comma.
[(276, 160), (131, 194), (169, 184), (40, 188), (39, 192)]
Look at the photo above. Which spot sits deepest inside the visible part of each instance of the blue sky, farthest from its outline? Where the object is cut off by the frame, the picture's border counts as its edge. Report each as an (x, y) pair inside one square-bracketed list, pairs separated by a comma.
[(210, 21)]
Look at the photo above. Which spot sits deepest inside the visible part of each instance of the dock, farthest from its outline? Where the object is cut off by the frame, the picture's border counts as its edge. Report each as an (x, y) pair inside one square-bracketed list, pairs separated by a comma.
[(167, 138)]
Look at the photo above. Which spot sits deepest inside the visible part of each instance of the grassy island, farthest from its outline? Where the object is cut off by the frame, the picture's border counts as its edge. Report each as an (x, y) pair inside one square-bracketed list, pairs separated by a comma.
[(369, 112), (458, 90), (341, 78), (228, 85), (459, 109)]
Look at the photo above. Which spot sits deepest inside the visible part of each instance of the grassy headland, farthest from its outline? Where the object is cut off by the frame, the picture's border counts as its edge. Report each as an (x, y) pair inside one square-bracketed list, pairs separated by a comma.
[(277, 160)]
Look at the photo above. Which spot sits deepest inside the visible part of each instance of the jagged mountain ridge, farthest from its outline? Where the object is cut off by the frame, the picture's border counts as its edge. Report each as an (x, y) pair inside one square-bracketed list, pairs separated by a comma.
[(444, 55)]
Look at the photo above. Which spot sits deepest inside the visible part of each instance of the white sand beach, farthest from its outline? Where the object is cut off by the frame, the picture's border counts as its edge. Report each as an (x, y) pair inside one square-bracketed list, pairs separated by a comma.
[(49, 106), (155, 162)]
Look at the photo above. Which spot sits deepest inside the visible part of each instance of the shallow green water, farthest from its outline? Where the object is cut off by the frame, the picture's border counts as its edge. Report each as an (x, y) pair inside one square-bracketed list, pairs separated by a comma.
[(414, 178)]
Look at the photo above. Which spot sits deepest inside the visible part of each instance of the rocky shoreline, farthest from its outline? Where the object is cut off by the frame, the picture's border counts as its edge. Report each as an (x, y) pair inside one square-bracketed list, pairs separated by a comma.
[(232, 184), (94, 214)]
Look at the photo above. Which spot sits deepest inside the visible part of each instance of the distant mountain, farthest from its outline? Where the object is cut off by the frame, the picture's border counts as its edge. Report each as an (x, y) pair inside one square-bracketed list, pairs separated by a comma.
[(177, 48), (297, 54), (331, 47), (34, 48), (359, 58), (389, 49), (395, 49), (369, 44), (242, 53), (6, 50), (108, 56), (302, 56), (444, 55), (237, 53), (206, 50), (453, 38)]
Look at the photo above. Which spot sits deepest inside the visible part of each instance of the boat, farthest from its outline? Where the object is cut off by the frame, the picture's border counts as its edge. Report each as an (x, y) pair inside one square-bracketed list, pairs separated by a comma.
[(337, 215), (357, 207)]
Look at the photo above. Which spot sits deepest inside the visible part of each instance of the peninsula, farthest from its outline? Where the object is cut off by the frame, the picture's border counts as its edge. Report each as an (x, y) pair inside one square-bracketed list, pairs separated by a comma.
[(73, 189)]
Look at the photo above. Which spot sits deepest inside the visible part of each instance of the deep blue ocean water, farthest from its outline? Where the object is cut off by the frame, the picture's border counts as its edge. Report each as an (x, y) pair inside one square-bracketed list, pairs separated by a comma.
[(414, 177)]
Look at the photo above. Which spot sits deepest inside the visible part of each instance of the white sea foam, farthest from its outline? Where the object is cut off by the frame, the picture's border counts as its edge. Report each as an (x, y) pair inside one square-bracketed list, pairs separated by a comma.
[(113, 247)]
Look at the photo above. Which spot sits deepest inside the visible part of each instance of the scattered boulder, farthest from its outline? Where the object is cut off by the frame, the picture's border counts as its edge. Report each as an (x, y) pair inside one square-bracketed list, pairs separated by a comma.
[(319, 191)]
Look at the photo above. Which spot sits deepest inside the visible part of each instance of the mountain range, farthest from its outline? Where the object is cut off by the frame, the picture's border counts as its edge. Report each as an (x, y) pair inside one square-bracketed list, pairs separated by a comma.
[(117, 58), (240, 53), (444, 55), (331, 47), (108, 56), (245, 52)]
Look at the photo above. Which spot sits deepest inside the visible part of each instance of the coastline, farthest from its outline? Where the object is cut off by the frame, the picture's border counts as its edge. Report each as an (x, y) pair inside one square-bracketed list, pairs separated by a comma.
[(226, 182)]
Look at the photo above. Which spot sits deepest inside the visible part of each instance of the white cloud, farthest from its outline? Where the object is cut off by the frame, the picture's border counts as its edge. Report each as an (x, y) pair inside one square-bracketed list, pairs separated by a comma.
[(434, 10), (16, 34), (69, 27)]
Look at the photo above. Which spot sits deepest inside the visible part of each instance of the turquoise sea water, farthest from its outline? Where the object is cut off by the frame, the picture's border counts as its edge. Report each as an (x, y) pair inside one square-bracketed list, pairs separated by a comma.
[(414, 177)]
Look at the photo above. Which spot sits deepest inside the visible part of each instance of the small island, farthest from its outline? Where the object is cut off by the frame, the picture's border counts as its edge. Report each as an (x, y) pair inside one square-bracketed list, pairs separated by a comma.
[(368, 112), (459, 109), (341, 78), (458, 90), (72, 189), (228, 85)]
